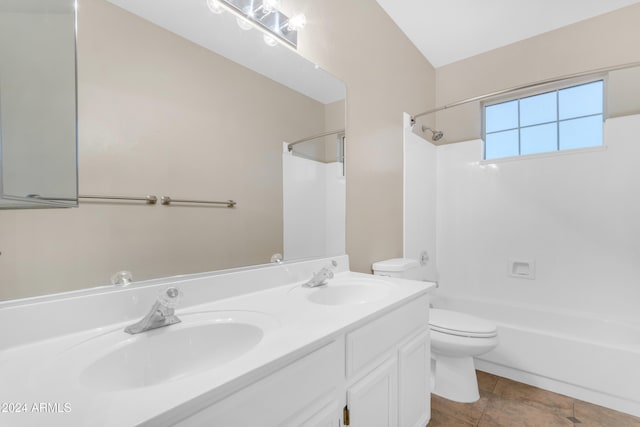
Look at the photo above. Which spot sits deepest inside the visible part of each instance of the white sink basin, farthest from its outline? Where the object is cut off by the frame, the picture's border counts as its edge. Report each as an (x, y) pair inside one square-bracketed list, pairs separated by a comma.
[(349, 292), (202, 341)]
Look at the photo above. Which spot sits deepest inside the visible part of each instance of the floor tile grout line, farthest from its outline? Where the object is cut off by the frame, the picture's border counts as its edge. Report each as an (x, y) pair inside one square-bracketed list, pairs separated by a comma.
[(490, 397), (491, 393), (485, 406), (495, 386)]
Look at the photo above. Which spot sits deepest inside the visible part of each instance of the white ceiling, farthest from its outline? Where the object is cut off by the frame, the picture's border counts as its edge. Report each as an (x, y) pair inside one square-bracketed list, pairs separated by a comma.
[(447, 31)]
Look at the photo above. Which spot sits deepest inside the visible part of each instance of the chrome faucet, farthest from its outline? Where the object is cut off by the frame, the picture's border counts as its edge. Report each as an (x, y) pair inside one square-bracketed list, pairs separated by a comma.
[(161, 314), (321, 277)]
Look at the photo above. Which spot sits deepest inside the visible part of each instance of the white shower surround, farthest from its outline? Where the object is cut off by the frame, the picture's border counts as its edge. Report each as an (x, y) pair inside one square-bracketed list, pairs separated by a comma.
[(574, 214), (314, 207), (419, 210), (575, 328)]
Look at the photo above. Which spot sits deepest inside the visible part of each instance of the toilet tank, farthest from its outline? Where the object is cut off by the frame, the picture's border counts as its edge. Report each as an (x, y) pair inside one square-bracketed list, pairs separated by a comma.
[(396, 267)]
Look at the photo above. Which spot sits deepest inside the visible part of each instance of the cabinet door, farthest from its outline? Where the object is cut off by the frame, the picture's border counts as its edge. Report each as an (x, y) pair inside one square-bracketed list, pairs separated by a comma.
[(323, 415), (329, 416), (414, 402), (373, 401)]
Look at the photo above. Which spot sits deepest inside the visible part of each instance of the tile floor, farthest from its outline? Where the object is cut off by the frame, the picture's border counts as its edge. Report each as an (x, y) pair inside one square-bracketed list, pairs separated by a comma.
[(506, 403)]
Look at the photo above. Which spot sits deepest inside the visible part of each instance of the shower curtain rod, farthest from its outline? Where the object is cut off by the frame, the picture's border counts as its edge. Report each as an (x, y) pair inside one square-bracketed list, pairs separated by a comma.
[(525, 86), (309, 138)]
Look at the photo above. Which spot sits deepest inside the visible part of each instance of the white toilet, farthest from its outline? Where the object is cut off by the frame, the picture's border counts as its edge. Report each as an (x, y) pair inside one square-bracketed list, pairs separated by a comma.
[(455, 339)]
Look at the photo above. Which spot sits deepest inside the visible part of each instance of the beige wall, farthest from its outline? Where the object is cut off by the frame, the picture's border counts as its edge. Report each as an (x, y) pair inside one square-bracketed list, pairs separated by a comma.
[(159, 115), (354, 40), (610, 39), (67, 249), (385, 76)]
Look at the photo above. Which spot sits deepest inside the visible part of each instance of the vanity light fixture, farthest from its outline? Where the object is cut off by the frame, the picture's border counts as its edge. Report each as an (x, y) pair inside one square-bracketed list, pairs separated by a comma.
[(214, 6), (265, 15), (270, 5), (297, 23), (269, 40), (244, 23)]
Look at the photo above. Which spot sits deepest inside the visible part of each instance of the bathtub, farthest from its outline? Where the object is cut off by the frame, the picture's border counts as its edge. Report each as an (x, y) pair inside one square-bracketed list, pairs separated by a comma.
[(571, 353)]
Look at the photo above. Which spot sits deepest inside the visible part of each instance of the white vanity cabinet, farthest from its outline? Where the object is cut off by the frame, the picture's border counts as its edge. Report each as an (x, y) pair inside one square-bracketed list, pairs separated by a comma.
[(303, 393), (354, 352), (388, 369), (376, 374)]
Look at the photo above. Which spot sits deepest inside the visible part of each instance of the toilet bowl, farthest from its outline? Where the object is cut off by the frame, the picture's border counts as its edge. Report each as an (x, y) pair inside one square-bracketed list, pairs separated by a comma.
[(455, 339)]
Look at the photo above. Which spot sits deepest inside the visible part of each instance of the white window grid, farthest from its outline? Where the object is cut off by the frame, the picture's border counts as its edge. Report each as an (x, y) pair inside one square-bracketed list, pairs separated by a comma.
[(555, 88)]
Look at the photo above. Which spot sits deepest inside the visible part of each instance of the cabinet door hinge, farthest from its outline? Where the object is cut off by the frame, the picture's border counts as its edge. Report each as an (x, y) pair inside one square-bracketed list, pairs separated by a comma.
[(345, 416)]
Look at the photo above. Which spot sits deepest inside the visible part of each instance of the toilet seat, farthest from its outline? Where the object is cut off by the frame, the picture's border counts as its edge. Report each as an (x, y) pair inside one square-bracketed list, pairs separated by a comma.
[(461, 324)]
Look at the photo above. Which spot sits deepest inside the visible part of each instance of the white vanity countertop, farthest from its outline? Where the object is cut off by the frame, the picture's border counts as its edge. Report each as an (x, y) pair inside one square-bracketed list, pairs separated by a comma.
[(47, 371)]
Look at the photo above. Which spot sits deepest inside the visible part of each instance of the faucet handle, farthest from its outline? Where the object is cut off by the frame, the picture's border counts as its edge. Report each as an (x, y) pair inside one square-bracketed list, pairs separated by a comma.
[(331, 268), (328, 271), (170, 297), (122, 278)]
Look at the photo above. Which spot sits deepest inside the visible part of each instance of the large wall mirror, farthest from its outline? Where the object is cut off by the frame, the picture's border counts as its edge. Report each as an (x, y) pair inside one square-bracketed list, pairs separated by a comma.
[(174, 100), (37, 104)]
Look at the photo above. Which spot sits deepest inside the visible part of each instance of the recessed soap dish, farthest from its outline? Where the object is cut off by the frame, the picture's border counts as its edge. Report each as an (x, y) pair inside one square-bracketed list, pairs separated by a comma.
[(522, 268)]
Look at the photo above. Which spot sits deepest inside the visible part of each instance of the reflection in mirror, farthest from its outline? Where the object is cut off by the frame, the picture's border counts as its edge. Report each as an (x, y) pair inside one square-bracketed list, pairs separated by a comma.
[(161, 114), (314, 196), (37, 104)]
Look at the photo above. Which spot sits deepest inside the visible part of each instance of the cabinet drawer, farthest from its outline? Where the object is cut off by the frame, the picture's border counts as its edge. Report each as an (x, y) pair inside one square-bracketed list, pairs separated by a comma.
[(373, 340)]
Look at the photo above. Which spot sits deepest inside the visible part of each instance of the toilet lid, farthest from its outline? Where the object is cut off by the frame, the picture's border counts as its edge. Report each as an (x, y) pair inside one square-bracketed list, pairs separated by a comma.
[(461, 324)]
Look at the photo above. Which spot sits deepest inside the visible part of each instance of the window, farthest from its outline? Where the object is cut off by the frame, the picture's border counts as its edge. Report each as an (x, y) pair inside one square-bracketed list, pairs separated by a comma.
[(563, 119)]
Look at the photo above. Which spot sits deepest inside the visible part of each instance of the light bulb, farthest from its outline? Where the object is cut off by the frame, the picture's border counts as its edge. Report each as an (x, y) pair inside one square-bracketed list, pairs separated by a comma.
[(269, 5), (270, 41), (214, 6), (244, 23), (297, 22)]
